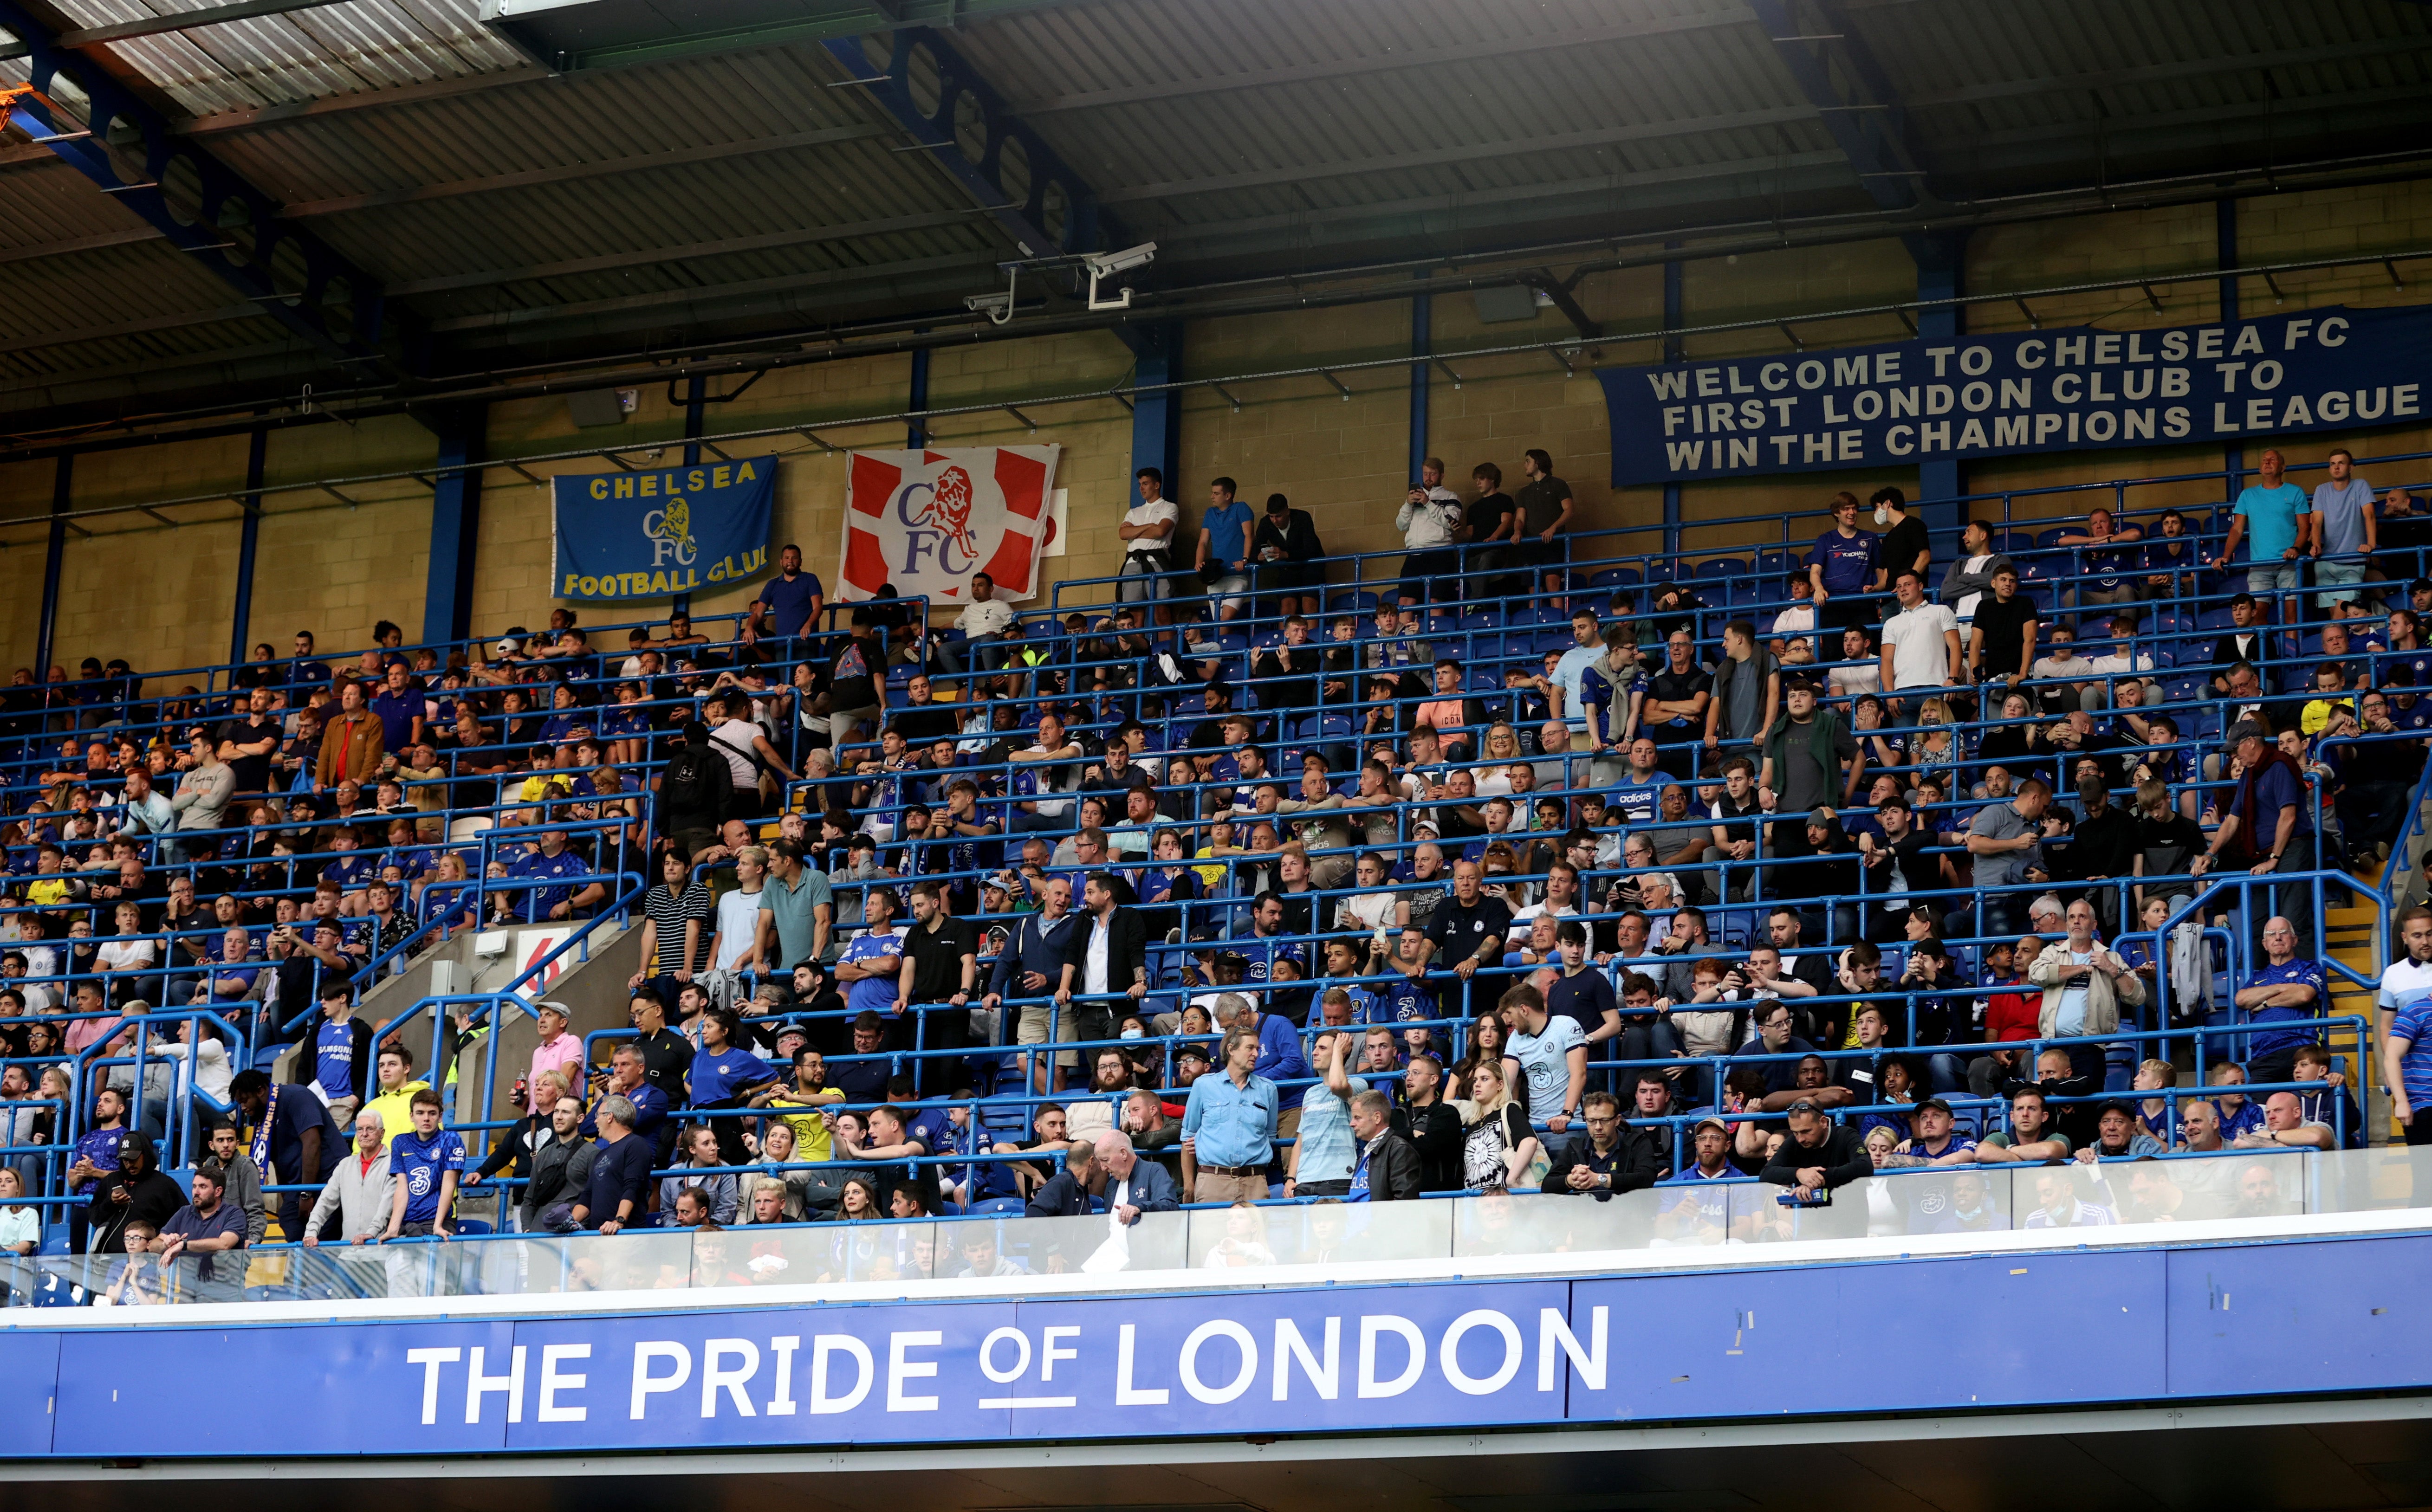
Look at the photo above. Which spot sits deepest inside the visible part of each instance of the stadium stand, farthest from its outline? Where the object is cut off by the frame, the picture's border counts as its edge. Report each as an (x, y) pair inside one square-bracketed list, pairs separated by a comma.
[(1476, 873)]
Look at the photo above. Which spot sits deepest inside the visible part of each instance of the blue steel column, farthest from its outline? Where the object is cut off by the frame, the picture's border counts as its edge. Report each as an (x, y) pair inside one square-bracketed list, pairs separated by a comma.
[(696, 417), (1422, 337), (54, 562), (1941, 257), (1157, 418), (1674, 349), (2232, 456), (455, 522), (916, 434), (257, 450)]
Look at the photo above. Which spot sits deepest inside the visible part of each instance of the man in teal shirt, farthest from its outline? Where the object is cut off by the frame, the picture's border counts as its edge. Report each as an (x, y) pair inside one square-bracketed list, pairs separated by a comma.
[(797, 910), (2272, 510)]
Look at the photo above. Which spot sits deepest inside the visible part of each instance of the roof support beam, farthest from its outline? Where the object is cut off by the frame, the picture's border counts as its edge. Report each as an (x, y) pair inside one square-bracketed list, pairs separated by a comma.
[(179, 188), (1838, 75), (1043, 206)]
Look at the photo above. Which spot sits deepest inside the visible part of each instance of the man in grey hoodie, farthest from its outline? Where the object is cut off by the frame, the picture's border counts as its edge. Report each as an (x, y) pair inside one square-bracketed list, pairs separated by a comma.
[(202, 795), (1429, 516)]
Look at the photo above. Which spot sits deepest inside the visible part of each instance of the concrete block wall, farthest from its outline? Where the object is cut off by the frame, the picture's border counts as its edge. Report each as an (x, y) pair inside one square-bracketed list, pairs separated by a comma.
[(163, 597)]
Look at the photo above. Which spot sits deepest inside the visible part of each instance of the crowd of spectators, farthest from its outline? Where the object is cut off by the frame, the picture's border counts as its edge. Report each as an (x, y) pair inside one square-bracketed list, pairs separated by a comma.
[(1249, 887)]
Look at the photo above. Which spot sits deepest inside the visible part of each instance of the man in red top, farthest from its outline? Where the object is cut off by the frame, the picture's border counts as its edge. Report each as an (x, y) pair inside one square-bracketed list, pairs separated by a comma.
[(2008, 1016)]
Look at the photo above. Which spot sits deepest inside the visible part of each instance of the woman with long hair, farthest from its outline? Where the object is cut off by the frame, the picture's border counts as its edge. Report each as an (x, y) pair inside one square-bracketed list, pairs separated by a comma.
[(1498, 1146), (1487, 1037)]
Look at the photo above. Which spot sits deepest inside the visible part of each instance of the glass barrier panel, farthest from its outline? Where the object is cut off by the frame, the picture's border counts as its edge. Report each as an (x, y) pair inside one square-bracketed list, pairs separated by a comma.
[(1094, 1244), (2246, 1184), (1251, 1238), (2368, 1181), (815, 1255), (1501, 1223)]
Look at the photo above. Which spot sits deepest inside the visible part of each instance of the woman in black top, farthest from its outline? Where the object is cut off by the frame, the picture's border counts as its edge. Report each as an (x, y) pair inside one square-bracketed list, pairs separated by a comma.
[(2017, 746)]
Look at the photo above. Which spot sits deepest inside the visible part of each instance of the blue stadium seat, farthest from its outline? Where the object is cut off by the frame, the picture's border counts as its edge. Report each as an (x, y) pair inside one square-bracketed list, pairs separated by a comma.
[(998, 1207), (1482, 619), (1612, 578), (1723, 567), (1773, 563), (2215, 620), (2048, 540)]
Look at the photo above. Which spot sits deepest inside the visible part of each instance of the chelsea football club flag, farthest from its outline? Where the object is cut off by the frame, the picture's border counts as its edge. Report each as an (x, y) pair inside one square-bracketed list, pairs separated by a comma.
[(656, 534)]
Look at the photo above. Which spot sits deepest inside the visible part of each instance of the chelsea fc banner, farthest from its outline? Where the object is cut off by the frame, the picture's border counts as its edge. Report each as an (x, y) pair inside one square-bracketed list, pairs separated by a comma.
[(929, 521), (668, 531)]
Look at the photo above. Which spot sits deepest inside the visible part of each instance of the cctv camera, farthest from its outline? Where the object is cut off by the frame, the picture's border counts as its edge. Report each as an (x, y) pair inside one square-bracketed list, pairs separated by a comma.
[(1104, 264)]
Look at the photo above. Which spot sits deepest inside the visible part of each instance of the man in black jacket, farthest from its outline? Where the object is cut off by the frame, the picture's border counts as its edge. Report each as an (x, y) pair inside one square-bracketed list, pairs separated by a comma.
[(1107, 953), (1432, 1129), (136, 1192), (1067, 1193), (1388, 1168), (1818, 1155), (1618, 1157)]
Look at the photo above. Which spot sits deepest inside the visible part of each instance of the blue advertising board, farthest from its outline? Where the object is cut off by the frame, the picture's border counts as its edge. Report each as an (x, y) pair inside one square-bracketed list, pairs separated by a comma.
[(669, 530), (1904, 1335), (2335, 370)]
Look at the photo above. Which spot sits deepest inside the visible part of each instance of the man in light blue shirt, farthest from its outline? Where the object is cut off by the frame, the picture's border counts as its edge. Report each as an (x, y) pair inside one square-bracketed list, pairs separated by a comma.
[(1228, 1128), (1324, 1152), (1586, 651), (2344, 530), (2273, 512)]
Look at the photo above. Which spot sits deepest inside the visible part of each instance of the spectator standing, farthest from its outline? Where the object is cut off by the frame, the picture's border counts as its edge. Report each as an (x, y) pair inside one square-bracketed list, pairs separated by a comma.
[(428, 1162), (1429, 519), (1491, 522), (1969, 576), (1229, 1127), (1921, 645), (2407, 1063), (789, 603), (1546, 507), (1906, 545), (619, 1190), (353, 741), (1147, 534), (1325, 1150), (2273, 517), (2006, 840), (208, 1226), (2265, 828), (1551, 1054), (1844, 567), (2345, 534), (676, 920), (360, 1192), (1387, 1169)]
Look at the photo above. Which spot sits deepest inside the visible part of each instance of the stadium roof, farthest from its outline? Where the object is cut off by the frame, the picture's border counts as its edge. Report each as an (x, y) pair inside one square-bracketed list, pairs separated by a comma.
[(539, 184)]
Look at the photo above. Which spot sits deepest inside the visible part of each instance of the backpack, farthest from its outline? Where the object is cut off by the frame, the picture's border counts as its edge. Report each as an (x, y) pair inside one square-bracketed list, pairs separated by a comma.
[(697, 782)]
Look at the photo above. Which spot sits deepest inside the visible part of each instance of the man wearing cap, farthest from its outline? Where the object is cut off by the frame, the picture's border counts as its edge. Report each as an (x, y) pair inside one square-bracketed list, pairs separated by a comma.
[(557, 1051), (2266, 826), (136, 1192)]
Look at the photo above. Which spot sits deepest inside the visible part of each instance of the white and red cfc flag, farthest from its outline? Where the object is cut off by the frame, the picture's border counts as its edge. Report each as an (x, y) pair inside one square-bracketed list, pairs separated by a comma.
[(928, 521)]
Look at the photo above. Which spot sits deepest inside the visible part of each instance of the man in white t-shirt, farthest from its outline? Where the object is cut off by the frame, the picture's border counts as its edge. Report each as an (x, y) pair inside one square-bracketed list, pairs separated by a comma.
[(1147, 534), (737, 930), (1920, 642), (2407, 981), (982, 621)]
